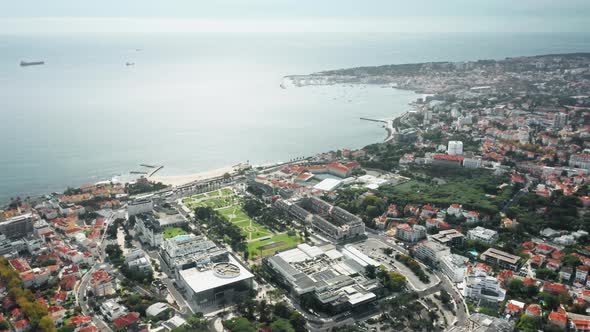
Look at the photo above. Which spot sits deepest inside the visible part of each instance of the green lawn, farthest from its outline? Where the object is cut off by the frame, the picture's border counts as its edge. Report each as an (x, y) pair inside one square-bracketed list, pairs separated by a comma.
[(172, 232), (249, 228), (469, 192), (228, 205), (288, 242)]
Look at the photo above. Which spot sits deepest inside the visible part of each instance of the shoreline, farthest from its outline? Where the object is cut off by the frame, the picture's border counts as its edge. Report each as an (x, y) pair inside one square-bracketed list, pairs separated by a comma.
[(178, 180)]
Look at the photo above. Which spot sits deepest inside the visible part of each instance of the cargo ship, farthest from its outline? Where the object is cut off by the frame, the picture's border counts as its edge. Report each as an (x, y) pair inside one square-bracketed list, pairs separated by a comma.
[(32, 63)]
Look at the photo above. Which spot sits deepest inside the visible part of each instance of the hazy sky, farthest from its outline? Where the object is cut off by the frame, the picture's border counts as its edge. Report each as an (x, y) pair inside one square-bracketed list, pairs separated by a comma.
[(47, 16)]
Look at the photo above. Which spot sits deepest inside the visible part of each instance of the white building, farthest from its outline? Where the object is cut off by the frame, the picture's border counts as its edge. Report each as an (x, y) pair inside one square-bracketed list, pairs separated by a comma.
[(472, 162), (112, 310), (149, 229), (454, 267), (455, 210), (186, 251), (140, 205), (409, 233), (432, 252), (138, 260), (215, 284), (483, 235), (480, 286), (455, 148)]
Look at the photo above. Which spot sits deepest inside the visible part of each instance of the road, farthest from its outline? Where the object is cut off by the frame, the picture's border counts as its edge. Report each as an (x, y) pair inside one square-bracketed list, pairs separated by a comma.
[(82, 287), (443, 283)]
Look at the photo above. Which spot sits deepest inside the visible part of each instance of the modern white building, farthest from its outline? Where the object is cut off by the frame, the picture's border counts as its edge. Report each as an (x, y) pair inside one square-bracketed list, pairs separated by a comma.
[(335, 278), (483, 235), (480, 286), (187, 251), (216, 283), (431, 252), (112, 310), (409, 233), (149, 229), (138, 260), (455, 148), (454, 267), (140, 205), (472, 162)]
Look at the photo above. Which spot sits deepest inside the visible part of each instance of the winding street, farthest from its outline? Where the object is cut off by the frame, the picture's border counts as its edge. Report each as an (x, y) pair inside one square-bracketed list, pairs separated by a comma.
[(82, 286)]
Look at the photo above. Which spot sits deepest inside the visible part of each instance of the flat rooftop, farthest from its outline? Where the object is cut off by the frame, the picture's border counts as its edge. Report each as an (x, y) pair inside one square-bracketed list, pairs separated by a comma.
[(501, 255), (200, 281)]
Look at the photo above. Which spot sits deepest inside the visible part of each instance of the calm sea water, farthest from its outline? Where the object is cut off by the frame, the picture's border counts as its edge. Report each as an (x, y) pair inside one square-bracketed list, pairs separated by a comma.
[(201, 101)]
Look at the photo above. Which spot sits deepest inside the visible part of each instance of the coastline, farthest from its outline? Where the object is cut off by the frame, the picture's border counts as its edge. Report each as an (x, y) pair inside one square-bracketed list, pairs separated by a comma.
[(178, 180)]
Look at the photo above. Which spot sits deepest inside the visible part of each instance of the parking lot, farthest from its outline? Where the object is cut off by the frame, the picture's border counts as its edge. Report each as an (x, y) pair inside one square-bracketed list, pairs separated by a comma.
[(374, 249)]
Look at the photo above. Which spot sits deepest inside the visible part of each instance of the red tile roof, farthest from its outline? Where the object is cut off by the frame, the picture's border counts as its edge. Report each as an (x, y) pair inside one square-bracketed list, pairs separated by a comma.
[(557, 317), (534, 309), (100, 276), (512, 308), (90, 328), (441, 156), (80, 320), (20, 324), (126, 320)]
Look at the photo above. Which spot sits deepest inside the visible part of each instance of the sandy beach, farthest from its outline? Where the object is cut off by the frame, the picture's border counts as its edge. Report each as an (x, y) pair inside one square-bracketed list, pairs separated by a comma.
[(178, 180)]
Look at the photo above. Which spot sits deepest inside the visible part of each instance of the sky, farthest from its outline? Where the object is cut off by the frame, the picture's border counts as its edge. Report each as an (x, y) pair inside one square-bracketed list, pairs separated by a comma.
[(78, 16)]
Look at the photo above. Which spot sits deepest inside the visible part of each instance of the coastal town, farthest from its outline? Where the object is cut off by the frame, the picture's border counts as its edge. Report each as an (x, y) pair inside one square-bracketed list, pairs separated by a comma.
[(472, 215)]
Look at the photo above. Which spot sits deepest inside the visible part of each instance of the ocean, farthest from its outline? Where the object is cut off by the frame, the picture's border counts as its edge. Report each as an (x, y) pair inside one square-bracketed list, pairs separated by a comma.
[(194, 102)]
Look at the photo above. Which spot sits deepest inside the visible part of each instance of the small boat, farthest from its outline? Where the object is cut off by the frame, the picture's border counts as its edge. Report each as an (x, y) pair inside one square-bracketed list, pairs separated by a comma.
[(129, 63), (32, 63)]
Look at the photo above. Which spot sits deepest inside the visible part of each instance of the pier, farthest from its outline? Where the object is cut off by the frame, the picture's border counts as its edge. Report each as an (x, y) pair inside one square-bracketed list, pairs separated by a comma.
[(156, 168), (374, 120)]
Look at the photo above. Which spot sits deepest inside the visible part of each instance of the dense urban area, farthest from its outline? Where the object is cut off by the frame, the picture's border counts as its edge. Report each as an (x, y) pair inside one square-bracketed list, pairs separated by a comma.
[(472, 215)]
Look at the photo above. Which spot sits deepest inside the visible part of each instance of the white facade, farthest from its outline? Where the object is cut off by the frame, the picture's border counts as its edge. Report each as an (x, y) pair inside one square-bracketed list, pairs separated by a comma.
[(112, 310), (454, 267), (409, 233), (480, 286), (431, 251), (472, 162), (483, 235), (138, 206), (149, 230), (455, 148)]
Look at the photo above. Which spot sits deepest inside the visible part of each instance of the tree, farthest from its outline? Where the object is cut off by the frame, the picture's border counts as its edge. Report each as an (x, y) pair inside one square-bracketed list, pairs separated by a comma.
[(239, 325), (546, 274), (445, 298), (529, 323), (282, 325), (298, 321), (46, 324), (550, 301), (370, 271), (264, 311), (197, 323), (282, 310), (388, 251)]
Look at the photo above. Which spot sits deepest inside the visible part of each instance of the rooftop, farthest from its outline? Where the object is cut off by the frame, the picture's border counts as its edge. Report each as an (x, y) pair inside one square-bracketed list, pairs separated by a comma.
[(218, 275)]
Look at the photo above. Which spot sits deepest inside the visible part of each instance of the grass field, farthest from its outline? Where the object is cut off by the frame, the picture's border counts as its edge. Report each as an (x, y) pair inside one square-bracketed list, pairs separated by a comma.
[(172, 232), (249, 228), (227, 204), (215, 199), (270, 246)]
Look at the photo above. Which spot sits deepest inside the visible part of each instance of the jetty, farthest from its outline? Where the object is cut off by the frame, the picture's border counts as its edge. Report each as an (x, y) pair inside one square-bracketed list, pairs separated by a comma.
[(156, 169)]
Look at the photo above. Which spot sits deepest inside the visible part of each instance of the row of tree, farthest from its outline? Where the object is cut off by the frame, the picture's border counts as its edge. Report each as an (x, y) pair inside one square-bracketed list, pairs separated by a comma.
[(35, 312)]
